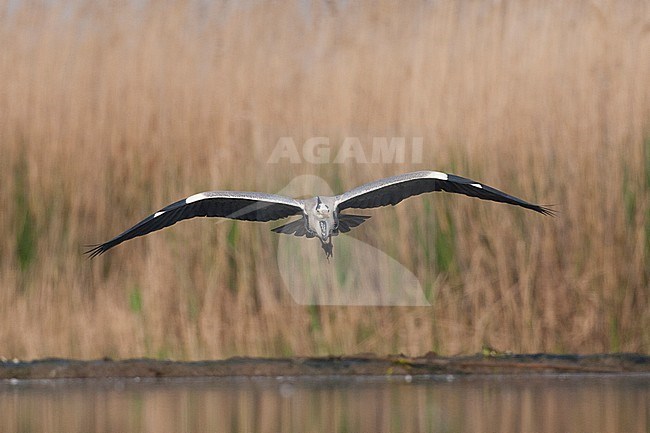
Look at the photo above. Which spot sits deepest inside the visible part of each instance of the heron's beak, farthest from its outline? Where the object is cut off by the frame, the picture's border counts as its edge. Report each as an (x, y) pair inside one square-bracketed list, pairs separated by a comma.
[(325, 237), (325, 233)]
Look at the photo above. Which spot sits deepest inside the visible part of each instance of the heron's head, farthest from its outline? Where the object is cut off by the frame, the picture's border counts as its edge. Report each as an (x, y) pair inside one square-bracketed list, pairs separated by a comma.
[(322, 220)]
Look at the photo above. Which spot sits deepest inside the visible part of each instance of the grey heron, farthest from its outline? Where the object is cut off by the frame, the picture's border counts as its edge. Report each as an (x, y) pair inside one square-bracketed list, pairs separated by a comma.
[(320, 216)]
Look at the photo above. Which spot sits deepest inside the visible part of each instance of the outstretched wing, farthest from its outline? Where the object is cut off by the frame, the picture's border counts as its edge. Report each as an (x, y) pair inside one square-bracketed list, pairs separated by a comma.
[(347, 222), (250, 206), (296, 228), (393, 190)]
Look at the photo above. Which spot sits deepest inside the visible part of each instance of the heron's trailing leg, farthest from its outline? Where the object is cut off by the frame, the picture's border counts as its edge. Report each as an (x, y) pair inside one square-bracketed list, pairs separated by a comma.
[(328, 248)]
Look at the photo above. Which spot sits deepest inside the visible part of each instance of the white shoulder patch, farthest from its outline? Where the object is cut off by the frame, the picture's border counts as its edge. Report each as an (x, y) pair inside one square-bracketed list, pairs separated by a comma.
[(438, 175), (195, 197)]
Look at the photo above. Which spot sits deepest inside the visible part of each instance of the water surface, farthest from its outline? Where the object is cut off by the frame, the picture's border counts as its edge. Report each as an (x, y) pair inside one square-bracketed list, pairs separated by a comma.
[(549, 403)]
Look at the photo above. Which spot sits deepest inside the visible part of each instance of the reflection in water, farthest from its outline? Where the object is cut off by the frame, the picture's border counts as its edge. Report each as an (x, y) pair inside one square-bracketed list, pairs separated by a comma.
[(443, 404)]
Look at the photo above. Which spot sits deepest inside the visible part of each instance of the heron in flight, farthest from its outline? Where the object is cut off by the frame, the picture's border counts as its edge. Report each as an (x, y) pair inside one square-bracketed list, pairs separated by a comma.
[(320, 216)]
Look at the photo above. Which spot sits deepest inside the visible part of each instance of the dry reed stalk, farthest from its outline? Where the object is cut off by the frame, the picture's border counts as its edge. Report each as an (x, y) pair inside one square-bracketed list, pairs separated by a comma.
[(109, 114)]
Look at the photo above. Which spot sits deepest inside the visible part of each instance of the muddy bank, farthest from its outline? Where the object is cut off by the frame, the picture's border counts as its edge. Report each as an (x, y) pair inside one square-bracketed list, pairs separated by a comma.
[(326, 366)]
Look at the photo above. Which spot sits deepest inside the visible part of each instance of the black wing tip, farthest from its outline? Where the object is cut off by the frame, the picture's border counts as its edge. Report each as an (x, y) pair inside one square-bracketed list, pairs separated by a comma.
[(546, 210), (95, 250)]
